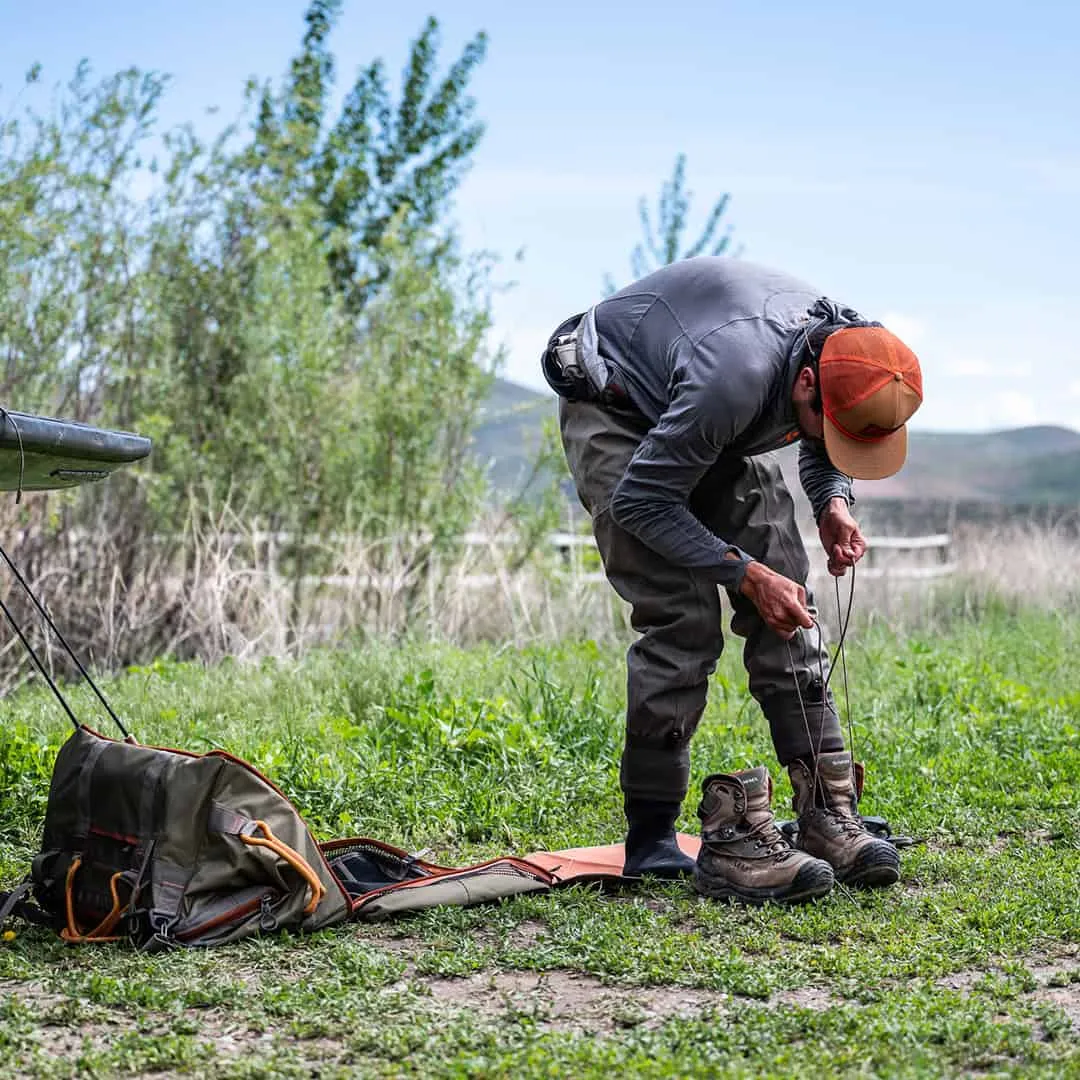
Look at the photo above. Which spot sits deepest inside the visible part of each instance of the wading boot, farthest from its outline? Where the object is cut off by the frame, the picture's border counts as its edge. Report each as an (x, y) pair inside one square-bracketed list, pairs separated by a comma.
[(829, 823), (744, 856), (651, 848)]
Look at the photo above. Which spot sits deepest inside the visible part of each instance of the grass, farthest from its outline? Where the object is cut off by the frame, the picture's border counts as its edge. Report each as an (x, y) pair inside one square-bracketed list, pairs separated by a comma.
[(970, 965)]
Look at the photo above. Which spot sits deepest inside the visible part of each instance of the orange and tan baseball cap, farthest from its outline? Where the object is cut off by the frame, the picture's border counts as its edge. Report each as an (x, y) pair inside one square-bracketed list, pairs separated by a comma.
[(871, 384)]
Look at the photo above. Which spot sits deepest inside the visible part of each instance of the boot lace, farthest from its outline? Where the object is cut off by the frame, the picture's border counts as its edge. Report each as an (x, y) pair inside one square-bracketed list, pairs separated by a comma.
[(767, 836), (846, 823)]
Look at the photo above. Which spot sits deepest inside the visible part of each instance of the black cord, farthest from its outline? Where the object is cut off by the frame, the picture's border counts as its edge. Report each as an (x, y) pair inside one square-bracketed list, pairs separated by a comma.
[(40, 666), (843, 622), (63, 641), (840, 653)]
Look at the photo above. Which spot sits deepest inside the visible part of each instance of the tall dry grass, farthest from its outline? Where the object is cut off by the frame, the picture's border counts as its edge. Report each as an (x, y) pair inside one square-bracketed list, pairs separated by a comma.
[(218, 588), (1009, 566)]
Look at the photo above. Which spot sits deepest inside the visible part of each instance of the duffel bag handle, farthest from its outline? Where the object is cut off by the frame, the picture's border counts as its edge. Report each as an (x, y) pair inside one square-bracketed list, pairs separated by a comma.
[(104, 929), (292, 857)]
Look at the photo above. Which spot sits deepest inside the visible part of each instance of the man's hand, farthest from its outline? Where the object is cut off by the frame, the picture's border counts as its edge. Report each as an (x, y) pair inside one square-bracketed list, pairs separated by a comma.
[(780, 601), (844, 544)]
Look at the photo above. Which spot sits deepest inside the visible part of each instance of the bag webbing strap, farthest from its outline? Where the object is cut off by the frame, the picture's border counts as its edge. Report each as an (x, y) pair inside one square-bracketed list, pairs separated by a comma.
[(82, 795), (11, 903), (148, 799), (223, 819)]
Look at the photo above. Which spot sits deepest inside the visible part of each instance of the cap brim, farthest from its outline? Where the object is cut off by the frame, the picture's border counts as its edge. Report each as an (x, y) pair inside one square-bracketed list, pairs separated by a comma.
[(866, 460)]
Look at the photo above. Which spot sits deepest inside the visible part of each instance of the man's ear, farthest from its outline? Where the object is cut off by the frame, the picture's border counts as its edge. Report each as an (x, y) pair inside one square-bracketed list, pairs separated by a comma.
[(808, 388), (807, 381)]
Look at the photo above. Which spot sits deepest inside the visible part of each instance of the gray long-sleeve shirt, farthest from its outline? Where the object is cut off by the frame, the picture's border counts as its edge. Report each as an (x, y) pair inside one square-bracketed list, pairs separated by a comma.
[(708, 350)]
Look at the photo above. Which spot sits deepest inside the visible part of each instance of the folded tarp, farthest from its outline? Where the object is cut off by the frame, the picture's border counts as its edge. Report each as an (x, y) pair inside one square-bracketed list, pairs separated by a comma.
[(384, 880)]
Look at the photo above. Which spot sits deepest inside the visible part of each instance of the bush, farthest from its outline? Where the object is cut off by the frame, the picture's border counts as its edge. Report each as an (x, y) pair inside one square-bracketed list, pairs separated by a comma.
[(283, 310)]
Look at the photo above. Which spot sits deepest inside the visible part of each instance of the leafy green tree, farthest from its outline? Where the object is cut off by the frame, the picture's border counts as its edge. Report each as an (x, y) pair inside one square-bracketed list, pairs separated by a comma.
[(665, 241), (71, 287), (380, 164), (284, 309), (226, 298)]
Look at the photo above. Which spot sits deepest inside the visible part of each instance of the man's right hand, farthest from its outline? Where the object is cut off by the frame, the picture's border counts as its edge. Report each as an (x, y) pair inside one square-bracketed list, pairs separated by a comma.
[(780, 601)]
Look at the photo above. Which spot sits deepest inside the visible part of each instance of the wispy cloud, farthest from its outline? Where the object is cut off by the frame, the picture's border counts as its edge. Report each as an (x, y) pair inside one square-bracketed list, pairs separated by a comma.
[(1016, 409), (910, 329), (968, 367)]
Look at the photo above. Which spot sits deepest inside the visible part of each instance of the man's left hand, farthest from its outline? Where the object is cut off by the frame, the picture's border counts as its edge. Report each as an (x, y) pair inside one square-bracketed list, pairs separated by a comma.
[(844, 544)]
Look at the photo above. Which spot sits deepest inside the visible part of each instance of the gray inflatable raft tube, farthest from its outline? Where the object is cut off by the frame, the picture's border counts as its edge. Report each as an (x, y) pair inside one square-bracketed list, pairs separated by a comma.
[(54, 454)]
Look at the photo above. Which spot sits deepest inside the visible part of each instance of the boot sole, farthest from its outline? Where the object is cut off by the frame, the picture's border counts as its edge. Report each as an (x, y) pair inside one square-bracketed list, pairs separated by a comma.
[(809, 883), (877, 867)]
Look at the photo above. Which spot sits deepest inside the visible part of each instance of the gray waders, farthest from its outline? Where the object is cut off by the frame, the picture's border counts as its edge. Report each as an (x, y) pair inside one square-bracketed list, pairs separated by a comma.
[(677, 611)]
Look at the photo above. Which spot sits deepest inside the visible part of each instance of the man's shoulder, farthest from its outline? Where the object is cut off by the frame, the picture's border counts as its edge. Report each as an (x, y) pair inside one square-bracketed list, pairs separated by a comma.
[(711, 290), (721, 270)]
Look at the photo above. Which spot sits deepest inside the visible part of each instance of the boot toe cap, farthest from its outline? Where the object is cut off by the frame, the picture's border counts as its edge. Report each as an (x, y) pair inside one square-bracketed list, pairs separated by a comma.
[(877, 865)]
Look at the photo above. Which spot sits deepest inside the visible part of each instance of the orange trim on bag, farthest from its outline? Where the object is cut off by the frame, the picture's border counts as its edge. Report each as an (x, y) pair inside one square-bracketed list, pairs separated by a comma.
[(104, 929), (294, 859)]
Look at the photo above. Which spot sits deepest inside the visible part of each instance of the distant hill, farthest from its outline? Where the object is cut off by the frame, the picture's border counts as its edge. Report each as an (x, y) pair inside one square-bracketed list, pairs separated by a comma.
[(510, 429), (1029, 465)]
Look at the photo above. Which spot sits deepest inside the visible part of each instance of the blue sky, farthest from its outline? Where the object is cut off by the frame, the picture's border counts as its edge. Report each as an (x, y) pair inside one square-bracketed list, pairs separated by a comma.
[(920, 162)]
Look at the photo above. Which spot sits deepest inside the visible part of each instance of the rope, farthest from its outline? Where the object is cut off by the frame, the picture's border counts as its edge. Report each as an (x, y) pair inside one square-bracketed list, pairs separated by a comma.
[(63, 641), (844, 622)]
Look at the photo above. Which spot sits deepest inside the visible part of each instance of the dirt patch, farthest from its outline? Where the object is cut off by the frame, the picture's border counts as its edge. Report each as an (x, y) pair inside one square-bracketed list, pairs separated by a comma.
[(1065, 998), (526, 934), (808, 997), (567, 1001), (31, 993), (1057, 978), (1059, 984)]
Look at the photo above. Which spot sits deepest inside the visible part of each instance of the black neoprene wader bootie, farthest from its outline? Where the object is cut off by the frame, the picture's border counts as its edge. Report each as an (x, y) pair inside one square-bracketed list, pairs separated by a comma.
[(651, 847)]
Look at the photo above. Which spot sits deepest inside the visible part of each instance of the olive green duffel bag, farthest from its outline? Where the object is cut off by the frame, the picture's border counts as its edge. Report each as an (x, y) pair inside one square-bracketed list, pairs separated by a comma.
[(167, 848)]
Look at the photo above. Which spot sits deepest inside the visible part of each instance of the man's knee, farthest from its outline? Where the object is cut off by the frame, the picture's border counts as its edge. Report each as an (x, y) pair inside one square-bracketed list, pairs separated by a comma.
[(668, 671), (668, 667)]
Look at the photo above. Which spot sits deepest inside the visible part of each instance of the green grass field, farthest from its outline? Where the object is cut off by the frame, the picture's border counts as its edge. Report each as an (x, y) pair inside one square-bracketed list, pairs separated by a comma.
[(969, 966)]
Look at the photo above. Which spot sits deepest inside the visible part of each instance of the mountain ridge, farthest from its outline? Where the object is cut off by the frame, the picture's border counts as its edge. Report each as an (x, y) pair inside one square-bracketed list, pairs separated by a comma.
[(1035, 464)]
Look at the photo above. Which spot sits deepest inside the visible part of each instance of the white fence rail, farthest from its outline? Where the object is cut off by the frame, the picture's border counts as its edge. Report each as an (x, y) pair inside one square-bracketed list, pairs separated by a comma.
[(888, 557), (872, 566)]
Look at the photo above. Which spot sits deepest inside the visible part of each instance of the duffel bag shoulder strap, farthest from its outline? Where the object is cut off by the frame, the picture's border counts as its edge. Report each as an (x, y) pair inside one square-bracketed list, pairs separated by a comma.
[(16, 903)]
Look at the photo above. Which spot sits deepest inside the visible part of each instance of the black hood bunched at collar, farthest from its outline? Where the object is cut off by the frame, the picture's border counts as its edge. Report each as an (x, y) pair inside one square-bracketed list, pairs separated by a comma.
[(824, 317)]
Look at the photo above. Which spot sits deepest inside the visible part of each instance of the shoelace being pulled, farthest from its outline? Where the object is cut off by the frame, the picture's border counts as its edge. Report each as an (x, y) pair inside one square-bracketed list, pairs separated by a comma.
[(844, 620)]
